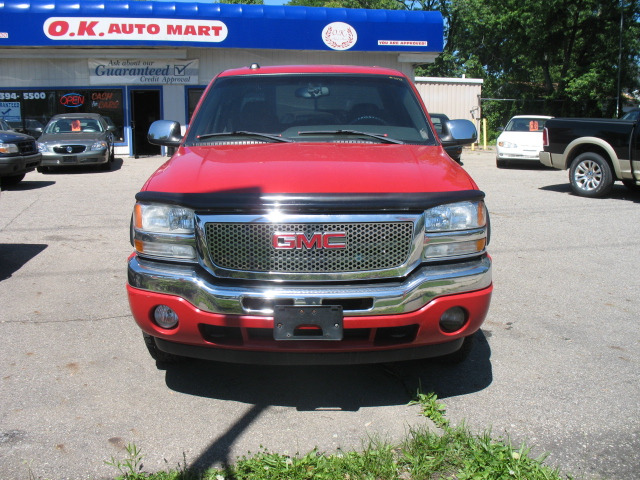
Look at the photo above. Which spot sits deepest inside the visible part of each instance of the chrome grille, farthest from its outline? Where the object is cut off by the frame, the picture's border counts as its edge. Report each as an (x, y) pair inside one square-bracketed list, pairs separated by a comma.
[(64, 149), (248, 247)]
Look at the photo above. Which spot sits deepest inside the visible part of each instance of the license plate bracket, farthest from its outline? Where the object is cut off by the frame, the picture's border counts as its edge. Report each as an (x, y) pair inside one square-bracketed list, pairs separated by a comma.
[(308, 322)]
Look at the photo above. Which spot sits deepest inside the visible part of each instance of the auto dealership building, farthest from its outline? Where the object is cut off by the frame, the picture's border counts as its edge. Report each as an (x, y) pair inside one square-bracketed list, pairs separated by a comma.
[(135, 62)]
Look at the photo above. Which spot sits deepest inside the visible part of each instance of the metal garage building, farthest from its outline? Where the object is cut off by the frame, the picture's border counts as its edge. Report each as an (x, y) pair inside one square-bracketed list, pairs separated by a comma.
[(136, 62)]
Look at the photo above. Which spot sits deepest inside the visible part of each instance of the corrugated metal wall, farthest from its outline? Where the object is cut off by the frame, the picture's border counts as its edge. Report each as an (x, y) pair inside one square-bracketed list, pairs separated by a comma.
[(455, 97)]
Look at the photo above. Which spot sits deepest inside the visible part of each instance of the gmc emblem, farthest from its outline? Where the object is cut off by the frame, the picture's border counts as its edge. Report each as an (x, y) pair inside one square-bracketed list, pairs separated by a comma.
[(298, 240)]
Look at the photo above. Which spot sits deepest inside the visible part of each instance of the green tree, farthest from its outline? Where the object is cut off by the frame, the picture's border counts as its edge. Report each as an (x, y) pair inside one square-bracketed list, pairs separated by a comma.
[(560, 57)]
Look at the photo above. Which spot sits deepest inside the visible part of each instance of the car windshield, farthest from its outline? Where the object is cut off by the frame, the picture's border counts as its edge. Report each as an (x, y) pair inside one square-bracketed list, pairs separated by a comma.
[(74, 125), (523, 124), (311, 108), (632, 115)]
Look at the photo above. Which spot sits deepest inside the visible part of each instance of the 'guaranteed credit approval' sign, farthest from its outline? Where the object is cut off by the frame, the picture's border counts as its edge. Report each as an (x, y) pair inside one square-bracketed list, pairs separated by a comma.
[(128, 71)]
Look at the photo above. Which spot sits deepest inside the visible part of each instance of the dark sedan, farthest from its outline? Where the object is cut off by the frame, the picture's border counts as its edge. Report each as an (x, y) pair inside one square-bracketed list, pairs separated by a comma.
[(18, 155), (76, 139)]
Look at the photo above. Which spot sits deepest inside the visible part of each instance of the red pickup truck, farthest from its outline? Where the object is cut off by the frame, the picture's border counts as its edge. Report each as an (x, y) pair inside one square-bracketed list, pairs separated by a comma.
[(309, 215)]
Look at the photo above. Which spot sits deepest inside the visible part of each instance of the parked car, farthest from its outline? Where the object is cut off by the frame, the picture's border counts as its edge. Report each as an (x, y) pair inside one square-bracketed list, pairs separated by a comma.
[(18, 155), (309, 216), (72, 139), (521, 140), (596, 151), (4, 126), (30, 126), (440, 122)]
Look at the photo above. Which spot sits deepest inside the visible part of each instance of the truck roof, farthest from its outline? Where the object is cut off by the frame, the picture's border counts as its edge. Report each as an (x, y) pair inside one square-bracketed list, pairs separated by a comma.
[(256, 69)]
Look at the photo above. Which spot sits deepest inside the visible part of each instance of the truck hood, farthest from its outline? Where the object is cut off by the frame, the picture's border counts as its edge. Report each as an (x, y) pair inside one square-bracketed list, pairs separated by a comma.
[(310, 168)]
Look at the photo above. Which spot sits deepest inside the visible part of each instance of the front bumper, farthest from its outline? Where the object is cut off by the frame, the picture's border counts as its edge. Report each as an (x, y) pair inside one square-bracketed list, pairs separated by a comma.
[(92, 157), (523, 155), (233, 321), (19, 164)]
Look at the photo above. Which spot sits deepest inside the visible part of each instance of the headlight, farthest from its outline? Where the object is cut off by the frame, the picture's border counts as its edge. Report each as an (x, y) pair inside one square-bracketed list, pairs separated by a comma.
[(164, 231), (455, 230), (8, 148), (102, 145), (507, 145), (42, 147), (455, 216)]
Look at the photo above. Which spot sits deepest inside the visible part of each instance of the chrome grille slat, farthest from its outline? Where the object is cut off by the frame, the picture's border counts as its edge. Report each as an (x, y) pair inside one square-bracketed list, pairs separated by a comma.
[(248, 247)]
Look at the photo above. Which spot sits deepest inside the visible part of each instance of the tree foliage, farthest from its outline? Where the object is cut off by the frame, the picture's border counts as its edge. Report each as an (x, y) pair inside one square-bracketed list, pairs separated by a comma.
[(559, 57)]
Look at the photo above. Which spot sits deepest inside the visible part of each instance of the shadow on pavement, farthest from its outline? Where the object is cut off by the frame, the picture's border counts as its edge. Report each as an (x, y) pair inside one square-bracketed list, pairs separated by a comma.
[(346, 388), (14, 256), (619, 192), (29, 185)]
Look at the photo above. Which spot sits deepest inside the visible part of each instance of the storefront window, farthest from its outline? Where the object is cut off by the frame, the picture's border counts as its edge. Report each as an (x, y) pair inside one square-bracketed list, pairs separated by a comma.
[(30, 110)]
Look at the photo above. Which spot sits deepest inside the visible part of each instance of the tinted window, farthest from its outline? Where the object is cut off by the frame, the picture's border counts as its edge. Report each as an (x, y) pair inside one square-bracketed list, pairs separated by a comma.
[(289, 105)]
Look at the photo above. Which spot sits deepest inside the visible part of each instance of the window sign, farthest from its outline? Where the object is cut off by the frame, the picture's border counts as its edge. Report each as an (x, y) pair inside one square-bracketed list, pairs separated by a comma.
[(128, 71), (29, 111)]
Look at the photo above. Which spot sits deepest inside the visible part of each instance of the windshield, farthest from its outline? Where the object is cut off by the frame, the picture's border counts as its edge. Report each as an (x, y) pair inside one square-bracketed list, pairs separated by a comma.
[(311, 108), (74, 125), (523, 124)]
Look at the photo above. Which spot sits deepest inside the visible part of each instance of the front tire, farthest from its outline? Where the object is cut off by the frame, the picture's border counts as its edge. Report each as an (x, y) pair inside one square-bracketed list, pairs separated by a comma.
[(157, 354), (459, 355), (590, 175)]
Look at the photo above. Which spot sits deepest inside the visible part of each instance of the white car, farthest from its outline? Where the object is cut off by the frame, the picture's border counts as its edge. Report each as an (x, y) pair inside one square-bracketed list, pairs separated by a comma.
[(521, 140)]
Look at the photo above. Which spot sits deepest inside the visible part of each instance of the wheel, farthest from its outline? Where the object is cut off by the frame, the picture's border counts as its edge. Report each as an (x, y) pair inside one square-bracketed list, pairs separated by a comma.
[(157, 354), (500, 163), (590, 175), (631, 185), (459, 355), (43, 169), (11, 180)]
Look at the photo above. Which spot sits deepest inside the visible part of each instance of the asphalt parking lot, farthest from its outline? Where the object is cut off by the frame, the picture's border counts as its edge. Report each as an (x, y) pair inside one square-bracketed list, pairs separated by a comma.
[(556, 365)]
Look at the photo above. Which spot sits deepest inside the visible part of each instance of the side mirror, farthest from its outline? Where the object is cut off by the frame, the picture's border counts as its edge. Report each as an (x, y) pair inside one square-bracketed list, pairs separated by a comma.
[(462, 132), (165, 132)]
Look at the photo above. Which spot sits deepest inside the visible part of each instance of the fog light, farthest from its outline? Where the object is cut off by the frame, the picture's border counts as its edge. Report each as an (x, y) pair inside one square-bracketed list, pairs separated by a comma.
[(165, 317), (453, 319)]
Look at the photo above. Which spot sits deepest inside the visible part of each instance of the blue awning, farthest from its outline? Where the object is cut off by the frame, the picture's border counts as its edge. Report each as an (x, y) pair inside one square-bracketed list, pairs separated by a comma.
[(114, 23)]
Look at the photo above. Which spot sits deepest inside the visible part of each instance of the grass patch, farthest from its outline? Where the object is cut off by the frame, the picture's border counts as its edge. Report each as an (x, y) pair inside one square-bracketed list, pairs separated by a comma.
[(451, 453)]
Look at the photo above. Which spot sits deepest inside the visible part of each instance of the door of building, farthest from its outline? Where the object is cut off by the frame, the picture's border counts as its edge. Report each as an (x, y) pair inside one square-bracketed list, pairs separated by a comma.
[(145, 109)]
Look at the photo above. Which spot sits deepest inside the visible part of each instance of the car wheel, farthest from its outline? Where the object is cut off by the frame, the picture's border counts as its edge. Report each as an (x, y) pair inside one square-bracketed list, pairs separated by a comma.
[(590, 175), (11, 180), (501, 163), (157, 354), (459, 355), (43, 169)]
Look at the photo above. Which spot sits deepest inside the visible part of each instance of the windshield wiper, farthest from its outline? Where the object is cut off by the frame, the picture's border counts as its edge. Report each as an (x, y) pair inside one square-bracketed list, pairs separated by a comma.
[(382, 138), (243, 133)]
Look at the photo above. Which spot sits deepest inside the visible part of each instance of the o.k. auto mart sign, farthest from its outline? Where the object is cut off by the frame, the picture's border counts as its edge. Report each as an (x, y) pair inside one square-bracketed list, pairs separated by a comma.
[(128, 71)]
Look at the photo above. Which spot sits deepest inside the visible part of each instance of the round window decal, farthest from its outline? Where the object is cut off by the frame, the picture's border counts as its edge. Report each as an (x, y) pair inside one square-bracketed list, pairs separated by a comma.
[(339, 36)]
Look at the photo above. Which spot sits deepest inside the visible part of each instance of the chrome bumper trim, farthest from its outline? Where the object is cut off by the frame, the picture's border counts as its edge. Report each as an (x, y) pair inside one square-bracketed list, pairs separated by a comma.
[(392, 297)]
